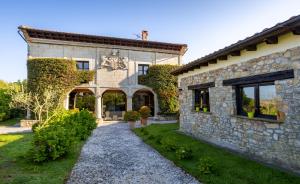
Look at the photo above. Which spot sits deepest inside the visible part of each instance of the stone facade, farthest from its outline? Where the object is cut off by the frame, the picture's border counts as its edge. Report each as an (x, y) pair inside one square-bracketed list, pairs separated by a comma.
[(270, 141)]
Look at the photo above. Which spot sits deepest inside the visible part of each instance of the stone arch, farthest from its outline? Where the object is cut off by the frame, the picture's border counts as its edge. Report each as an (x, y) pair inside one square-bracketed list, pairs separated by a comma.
[(144, 97), (114, 104), (82, 98)]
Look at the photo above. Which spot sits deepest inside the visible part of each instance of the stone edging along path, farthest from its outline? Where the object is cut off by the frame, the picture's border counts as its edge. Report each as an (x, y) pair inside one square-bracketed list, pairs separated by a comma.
[(114, 154)]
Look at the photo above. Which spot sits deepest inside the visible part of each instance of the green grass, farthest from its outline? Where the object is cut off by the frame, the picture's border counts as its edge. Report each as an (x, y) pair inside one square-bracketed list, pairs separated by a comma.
[(9, 122), (231, 168), (15, 167)]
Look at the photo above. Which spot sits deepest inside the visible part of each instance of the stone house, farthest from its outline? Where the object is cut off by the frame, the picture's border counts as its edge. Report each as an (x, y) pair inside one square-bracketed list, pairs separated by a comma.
[(246, 97), (117, 63)]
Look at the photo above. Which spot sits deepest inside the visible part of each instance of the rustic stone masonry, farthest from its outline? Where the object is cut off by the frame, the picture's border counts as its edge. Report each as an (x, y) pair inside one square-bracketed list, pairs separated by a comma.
[(267, 140)]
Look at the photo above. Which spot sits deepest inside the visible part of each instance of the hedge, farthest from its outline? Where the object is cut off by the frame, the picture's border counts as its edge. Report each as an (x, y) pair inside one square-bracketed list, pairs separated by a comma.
[(164, 85), (59, 74)]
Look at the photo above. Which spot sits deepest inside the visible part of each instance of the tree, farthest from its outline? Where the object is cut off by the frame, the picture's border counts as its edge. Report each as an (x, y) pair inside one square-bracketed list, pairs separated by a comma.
[(40, 105)]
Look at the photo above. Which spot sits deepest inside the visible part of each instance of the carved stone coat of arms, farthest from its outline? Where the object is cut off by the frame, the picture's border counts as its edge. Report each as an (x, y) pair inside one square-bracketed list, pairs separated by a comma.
[(114, 61)]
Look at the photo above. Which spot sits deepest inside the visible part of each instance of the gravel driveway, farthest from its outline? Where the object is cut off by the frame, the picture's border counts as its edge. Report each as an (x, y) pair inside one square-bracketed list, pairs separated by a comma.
[(113, 154)]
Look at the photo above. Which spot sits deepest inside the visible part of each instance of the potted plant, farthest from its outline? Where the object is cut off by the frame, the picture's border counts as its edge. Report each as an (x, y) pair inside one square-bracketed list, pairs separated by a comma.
[(145, 112), (250, 110), (131, 117), (205, 108)]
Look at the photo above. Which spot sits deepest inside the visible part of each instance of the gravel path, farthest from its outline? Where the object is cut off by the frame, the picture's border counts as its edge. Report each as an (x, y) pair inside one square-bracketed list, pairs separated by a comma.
[(10, 130), (113, 154)]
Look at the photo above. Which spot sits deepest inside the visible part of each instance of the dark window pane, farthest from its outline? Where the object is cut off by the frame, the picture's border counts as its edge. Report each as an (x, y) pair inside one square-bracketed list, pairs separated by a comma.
[(140, 72), (248, 99), (197, 98), (79, 65), (267, 100), (140, 67), (146, 69), (86, 65)]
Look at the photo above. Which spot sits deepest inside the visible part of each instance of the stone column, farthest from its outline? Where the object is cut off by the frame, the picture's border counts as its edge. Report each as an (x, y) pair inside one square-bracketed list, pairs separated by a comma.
[(28, 114), (129, 103), (98, 107), (67, 102)]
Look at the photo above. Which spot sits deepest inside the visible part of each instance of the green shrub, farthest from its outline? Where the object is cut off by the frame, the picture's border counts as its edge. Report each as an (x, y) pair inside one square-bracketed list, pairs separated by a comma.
[(184, 152), (169, 144), (206, 165), (132, 116), (54, 138), (84, 123), (86, 102), (4, 105), (51, 142)]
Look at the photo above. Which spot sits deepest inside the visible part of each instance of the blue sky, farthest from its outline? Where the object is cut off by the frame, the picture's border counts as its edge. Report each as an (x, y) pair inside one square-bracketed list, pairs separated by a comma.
[(205, 26)]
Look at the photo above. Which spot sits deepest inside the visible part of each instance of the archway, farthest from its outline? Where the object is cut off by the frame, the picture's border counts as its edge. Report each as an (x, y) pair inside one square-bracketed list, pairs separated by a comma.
[(141, 98), (82, 99), (114, 104)]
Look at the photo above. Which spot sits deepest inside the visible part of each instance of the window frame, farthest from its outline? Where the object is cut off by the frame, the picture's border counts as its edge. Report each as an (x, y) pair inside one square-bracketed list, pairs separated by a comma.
[(257, 112), (82, 63), (207, 100), (143, 69)]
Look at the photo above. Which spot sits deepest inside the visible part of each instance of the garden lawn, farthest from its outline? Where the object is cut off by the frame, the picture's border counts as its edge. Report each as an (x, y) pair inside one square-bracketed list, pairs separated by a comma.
[(16, 168), (230, 168), (9, 122)]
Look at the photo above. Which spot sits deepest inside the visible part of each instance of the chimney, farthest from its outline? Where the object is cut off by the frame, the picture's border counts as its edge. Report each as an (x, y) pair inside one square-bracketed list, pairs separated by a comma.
[(144, 35)]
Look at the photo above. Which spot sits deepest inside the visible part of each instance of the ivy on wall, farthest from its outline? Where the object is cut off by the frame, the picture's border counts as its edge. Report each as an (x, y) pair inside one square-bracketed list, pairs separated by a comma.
[(60, 75), (164, 84)]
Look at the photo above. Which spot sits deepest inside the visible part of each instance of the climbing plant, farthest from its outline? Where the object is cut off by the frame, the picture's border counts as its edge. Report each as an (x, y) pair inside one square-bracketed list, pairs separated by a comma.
[(164, 84), (59, 74)]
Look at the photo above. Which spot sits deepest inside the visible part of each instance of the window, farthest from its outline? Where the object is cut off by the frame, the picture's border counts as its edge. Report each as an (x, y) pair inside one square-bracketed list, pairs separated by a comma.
[(82, 65), (258, 98), (143, 69), (201, 99)]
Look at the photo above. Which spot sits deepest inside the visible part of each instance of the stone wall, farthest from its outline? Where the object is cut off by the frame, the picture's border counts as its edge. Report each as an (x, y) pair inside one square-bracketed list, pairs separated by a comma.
[(270, 141)]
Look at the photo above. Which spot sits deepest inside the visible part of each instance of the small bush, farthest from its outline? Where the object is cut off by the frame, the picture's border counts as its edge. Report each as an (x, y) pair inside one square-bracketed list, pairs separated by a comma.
[(184, 152), (4, 105), (169, 144), (51, 142), (54, 138), (132, 116), (206, 165), (84, 123)]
